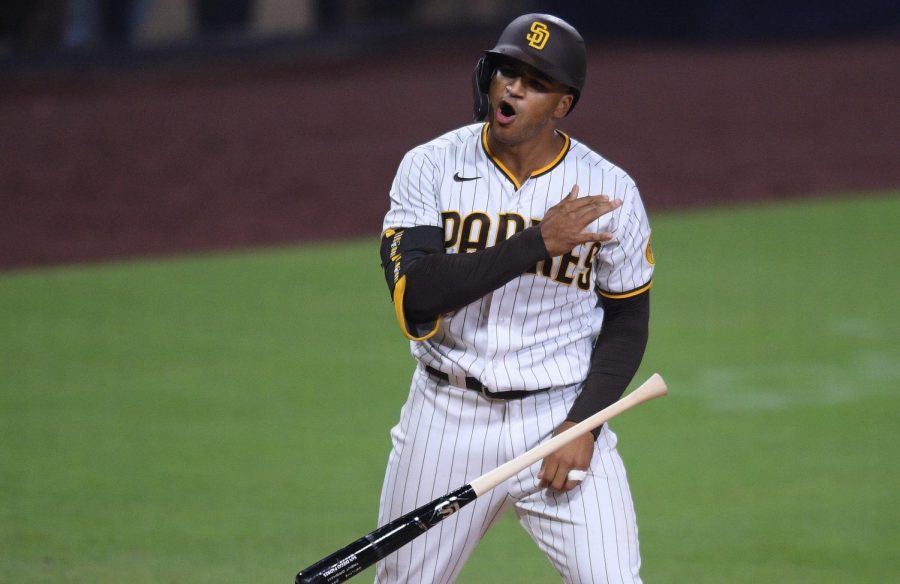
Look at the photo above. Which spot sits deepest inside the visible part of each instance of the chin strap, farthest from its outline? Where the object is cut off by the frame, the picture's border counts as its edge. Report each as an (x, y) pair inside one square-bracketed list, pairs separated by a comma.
[(481, 82)]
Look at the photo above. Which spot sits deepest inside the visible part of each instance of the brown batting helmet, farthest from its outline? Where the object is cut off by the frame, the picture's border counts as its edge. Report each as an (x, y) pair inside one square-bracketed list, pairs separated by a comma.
[(548, 43)]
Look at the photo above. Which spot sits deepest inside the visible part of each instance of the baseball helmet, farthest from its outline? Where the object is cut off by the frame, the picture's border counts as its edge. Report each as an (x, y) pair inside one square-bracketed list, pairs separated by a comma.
[(548, 43)]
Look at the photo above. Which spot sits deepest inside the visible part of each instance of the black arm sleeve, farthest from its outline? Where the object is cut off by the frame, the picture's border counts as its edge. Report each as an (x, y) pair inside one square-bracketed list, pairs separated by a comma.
[(617, 355), (437, 282)]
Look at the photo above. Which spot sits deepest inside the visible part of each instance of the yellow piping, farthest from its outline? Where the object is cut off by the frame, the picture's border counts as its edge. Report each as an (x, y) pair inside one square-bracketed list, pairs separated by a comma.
[(399, 289), (626, 294), (506, 171)]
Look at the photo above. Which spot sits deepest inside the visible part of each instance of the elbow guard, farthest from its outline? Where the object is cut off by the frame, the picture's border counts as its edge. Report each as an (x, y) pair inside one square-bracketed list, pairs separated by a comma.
[(401, 248)]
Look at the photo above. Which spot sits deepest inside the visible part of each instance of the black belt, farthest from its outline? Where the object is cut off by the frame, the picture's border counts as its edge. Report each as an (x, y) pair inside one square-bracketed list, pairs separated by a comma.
[(475, 385)]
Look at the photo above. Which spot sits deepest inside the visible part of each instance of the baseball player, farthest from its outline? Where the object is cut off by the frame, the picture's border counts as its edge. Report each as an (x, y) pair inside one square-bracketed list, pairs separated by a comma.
[(519, 264)]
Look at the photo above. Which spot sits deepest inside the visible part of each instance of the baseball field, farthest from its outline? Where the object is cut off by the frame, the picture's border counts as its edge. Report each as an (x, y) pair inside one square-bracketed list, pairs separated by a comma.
[(224, 417), (199, 363)]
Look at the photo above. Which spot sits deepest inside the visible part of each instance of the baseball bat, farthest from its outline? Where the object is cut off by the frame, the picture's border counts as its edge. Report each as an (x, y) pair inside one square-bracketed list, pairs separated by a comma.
[(362, 553)]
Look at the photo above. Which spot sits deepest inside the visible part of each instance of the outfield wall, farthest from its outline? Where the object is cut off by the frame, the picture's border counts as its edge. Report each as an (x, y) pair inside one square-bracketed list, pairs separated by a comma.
[(299, 147)]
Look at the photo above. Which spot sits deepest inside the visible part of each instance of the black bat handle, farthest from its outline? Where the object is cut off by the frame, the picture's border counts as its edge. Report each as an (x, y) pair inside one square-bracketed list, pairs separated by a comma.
[(362, 553)]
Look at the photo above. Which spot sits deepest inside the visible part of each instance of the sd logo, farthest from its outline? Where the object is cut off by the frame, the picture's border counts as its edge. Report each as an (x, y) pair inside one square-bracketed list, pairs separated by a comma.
[(447, 508), (538, 36)]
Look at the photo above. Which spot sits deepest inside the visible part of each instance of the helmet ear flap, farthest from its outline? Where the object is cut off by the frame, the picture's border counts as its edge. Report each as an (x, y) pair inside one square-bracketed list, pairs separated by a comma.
[(481, 83)]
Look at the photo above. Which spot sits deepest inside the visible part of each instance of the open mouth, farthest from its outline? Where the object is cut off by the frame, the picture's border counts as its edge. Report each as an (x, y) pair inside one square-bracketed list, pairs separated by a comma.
[(505, 112)]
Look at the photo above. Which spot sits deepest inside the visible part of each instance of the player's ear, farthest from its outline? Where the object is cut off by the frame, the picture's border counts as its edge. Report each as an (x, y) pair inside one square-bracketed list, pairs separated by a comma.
[(563, 106)]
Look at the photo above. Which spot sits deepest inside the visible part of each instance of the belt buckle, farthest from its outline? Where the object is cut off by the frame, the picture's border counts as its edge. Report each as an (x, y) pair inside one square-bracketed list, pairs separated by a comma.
[(456, 380)]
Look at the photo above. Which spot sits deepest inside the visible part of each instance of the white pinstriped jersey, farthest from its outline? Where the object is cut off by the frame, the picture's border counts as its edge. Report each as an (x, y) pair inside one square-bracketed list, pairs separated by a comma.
[(537, 330)]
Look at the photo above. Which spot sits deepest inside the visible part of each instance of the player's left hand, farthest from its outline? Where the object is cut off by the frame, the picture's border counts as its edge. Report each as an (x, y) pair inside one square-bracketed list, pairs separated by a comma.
[(575, 455)]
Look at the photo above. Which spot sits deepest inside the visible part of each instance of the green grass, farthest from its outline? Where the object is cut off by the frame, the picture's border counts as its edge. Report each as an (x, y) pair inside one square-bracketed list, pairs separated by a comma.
[(225, 418)]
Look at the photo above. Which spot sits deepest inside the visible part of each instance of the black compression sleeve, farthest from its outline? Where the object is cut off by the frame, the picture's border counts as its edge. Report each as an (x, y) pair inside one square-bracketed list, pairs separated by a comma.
[(616, 357), (438, 283)]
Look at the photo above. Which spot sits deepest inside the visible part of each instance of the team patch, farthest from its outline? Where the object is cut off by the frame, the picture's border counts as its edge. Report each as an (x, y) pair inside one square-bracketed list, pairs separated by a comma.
[(648, 253)]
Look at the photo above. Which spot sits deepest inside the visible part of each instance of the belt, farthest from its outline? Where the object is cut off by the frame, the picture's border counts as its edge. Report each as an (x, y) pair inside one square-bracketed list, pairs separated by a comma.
[(475, 385)]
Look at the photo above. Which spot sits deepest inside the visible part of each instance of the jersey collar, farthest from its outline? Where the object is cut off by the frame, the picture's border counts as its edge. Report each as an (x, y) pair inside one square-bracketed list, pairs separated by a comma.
[(544, 169)]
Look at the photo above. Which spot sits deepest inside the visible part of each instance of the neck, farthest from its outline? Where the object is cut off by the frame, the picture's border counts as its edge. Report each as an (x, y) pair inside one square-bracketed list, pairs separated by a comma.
[(524, 158)]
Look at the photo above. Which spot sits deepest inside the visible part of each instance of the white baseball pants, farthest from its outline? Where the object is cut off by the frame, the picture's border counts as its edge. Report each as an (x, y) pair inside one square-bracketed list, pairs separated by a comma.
[(448, 436)]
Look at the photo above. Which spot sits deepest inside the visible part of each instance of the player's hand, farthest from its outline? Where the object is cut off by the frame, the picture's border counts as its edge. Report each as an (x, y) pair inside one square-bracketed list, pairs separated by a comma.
[(563, 226), (574, 455)]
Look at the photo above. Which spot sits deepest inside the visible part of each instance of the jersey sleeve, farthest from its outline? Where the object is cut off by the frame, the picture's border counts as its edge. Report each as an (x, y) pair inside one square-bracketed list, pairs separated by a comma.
[(414, 194), (414, 203), (625, 264)]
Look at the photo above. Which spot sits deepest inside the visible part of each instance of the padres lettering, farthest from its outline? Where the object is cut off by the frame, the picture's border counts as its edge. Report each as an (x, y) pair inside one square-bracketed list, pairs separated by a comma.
[(395, 254), (470, 234), (539, 35)]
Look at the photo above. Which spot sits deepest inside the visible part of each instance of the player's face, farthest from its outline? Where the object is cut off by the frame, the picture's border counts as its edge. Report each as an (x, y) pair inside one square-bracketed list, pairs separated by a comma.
[(525, 103)]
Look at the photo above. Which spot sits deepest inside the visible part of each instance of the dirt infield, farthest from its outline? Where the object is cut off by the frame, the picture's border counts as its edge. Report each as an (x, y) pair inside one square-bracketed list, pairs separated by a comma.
[(149, 164)]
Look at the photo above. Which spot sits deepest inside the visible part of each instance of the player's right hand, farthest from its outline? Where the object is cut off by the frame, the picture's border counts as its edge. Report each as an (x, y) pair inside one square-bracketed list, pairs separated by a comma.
[(576, 454), (563, 226)]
